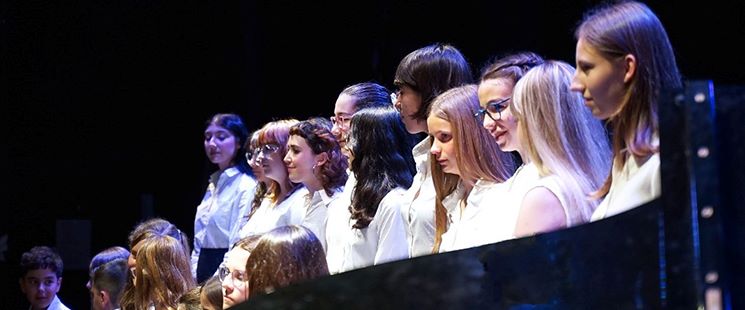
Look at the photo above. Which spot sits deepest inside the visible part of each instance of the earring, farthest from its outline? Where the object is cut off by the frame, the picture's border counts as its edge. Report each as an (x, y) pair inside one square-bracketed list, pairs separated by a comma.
[(314, 167)]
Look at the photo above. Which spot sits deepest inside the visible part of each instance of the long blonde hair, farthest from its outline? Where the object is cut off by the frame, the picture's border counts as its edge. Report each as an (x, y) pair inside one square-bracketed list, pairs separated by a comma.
[(477, 155), (560, 135), (632, 28)]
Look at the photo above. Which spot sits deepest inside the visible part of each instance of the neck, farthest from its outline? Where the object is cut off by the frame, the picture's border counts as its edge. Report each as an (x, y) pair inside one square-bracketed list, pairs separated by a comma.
[(314, 185), (523, 156)]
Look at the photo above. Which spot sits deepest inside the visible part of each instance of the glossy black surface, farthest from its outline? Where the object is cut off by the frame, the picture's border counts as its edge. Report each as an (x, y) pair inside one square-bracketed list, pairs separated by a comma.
[(613, 262)]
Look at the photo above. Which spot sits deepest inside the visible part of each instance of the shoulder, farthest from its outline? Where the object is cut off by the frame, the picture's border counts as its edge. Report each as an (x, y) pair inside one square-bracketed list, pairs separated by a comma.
[(540, 211)]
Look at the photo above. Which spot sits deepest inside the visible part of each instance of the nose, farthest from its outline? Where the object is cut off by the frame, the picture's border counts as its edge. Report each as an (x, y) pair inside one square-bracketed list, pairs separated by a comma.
[(287, 160), (336, 131), (227, 285), (576, 85), (489, 123), (435, 149)]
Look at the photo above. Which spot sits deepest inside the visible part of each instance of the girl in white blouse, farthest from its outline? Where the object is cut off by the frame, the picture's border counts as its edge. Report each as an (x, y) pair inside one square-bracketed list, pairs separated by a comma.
[(228, 196), (624, 62), (374, 231), (314, 158), (563, 144), (466, 167), (283, 203)]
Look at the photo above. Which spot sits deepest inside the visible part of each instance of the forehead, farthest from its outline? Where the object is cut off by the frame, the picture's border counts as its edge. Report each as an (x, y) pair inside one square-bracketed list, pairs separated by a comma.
[(436, 124), (492, 89), (297, 140), (237, 258), (586, 52), (345, 105), (40, 274), (216, 128)]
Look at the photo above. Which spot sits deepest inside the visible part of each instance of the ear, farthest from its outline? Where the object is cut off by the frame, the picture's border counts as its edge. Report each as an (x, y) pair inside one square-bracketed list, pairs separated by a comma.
[(322, 158), (629, 63), (105, 297)]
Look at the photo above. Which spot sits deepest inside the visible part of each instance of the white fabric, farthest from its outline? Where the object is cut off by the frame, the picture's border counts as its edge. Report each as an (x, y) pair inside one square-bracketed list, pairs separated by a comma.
[(419, 210), (222, 211), (316, 213), (384, 240), (337, 229), (475, 224), (56, 304), (633, 185), (290, 211)]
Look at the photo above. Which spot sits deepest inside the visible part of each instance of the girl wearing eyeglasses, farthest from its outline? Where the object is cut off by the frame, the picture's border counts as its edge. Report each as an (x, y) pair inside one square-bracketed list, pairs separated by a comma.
[(232, 273), (283, 203)]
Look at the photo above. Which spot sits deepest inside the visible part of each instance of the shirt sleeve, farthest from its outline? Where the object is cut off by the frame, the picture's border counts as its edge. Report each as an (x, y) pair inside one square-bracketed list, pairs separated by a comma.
[(392, 244)]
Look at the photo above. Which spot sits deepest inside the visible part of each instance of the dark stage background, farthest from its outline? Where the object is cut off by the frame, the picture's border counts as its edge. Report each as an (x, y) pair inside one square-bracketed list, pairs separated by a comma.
[(105, 102)]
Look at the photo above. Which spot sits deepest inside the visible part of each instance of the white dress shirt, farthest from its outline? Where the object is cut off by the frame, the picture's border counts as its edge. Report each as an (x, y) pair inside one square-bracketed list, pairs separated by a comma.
[(316, 214), (419, 210), (222, 211), (383, 240), (475, 224), (633, 185), (290, 211)]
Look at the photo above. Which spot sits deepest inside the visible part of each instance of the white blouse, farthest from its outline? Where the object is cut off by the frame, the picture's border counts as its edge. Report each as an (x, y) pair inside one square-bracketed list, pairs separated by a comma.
[(419, 210), (290, 211), (633, 185), (337, 229), (383, 240), (316, 213), (222, 211), (475, 224)]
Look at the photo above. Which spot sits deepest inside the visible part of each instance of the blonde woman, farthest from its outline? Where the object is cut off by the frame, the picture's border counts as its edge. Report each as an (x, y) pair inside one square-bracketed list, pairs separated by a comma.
[(563, 144), (467, 169)]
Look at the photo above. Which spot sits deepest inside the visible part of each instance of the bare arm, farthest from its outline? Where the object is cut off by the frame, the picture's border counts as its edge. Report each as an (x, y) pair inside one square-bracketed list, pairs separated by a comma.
[(540, 211)]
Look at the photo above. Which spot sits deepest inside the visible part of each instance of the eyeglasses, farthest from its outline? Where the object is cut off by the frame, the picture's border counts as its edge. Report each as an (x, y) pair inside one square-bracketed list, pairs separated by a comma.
[(224, 272), (341, 121), (266, 149), (492, 107)]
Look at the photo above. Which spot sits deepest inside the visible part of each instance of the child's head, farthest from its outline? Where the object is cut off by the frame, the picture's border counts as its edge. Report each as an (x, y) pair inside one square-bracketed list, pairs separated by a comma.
[(41, 276), (210, 295), (190, 300)]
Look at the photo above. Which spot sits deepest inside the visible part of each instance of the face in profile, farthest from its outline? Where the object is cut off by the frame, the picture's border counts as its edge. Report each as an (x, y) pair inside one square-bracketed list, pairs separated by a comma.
[(220, 146), (443, 145), (495, 96), (234, 278), (40, 286), (300, 160), (271, 159), (601, 82), (408, 102), (344, 108)]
